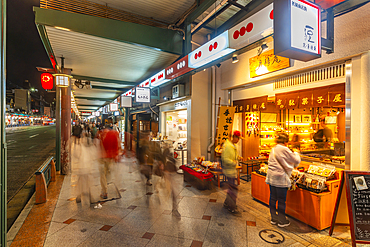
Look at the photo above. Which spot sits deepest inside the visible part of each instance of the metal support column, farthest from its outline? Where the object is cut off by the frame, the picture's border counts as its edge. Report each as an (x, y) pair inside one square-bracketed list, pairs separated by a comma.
[(58, 127), (187, 42), (65, 150), (3, 169)]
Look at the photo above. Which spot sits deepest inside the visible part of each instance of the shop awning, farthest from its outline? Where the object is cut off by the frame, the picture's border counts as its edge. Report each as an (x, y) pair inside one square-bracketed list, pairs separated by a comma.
[(113, 55)]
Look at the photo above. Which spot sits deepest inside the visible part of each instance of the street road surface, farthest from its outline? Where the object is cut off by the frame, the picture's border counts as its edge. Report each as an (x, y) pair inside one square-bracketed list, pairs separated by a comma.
[(28, 148)]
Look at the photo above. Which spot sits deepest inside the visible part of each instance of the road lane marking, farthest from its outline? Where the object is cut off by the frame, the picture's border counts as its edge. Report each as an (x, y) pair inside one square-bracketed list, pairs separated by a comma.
[(34, 135)]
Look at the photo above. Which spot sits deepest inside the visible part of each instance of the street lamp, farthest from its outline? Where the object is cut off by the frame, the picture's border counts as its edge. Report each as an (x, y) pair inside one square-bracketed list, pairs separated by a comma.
[(62, 80)]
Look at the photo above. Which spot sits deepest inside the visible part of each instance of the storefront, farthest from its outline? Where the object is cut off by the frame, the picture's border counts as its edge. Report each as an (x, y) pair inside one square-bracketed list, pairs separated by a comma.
[(303, 115), (175, 127), (300, 98)]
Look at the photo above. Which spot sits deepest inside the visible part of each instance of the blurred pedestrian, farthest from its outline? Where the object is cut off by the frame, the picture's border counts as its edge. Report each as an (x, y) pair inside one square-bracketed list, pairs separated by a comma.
[(230, 159), (280, 166), (94, 130), (169, 174), (145, 157), (110, 148), (86, 133), (76, 132)]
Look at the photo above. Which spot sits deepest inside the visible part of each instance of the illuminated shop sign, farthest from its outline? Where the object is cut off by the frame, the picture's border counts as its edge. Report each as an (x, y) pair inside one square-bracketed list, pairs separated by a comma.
[(182, 104), (252, 29), (128, 93), (267, 62), (143, 95), (158, 79), (210, 51), (179, 68), (113, 107), (126, 101), (297, 29), (144, 84)]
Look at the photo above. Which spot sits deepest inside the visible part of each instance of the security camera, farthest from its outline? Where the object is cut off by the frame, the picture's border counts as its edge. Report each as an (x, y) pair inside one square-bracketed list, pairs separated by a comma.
[(218, 65)]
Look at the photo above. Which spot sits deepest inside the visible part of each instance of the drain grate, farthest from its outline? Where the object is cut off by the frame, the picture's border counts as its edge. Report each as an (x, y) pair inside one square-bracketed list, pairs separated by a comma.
[(271, 236)]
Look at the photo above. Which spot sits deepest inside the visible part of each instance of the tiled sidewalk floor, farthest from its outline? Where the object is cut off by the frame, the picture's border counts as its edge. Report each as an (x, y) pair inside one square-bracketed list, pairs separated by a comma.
[(143, 216)]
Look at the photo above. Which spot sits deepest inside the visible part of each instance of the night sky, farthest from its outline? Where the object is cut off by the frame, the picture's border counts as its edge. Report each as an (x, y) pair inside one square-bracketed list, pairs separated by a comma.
[(24, 51)]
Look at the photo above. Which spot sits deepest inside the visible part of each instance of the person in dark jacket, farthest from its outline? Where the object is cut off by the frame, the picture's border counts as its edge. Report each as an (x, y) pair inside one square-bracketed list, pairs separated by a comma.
[(76, 132)]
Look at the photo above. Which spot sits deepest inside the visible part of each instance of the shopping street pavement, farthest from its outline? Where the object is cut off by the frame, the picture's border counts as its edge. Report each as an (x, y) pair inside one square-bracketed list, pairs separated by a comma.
[(143, 216)]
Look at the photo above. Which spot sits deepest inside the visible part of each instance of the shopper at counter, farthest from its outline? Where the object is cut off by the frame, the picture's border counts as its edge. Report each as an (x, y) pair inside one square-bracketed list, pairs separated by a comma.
[(229, 159), (280, 166)]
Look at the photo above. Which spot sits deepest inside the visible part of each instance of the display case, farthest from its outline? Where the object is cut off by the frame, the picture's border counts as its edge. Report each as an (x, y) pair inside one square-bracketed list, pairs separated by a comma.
[(302, 203)]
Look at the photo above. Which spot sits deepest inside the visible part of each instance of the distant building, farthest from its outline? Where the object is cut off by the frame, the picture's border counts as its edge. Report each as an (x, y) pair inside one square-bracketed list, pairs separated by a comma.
[(22, 99), (47, 111)]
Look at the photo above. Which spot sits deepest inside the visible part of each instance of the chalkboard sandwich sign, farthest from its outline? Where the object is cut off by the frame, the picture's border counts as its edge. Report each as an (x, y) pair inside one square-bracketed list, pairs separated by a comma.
[(356, 192)]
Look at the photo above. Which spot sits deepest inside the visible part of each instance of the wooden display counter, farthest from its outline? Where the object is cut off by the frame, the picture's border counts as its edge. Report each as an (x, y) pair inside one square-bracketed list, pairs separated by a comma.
[(314, 209)]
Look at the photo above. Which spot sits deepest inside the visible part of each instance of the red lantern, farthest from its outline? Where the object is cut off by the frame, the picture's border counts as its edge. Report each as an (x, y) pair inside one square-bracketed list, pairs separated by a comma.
[(47, 81)]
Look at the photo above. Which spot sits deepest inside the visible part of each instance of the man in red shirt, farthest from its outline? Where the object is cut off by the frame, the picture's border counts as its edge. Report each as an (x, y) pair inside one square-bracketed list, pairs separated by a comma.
[(110, 148)]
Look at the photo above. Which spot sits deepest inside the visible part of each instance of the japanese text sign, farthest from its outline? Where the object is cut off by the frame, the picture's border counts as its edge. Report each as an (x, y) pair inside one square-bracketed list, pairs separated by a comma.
[(143, 95), (297, 29), (280, 101), (225, 124), (337, 95), (267, 62)]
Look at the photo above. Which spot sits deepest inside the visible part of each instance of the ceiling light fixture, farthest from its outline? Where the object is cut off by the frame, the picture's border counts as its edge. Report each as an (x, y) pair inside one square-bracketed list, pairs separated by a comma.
[(263, 48), (235, 59), (63, 28)]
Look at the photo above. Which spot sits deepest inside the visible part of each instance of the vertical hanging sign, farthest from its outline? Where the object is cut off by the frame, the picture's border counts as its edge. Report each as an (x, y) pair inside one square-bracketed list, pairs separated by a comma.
[(225, 124), (297, 29)]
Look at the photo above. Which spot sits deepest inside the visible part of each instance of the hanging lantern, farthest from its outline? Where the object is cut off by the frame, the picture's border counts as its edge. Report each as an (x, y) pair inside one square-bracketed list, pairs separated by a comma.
[(47, 81)]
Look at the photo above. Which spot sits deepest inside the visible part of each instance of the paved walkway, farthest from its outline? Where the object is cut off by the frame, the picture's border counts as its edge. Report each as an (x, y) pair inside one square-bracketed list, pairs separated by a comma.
[(142, 217)]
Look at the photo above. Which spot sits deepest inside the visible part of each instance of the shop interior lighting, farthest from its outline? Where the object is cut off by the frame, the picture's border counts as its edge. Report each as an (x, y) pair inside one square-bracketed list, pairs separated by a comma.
[(235, 59), (302, 124)]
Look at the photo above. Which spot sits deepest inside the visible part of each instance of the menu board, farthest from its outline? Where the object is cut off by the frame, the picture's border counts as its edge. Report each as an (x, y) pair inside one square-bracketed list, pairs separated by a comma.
[(353, 206), (359, 187)]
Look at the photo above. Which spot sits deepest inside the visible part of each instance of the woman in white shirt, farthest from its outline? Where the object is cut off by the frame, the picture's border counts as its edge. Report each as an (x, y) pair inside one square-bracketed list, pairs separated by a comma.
[(281, 163)]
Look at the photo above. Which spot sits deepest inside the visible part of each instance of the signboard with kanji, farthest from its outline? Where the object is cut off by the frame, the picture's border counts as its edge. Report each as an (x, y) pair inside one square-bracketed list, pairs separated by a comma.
[(267, 62), (225, 124), (297, 29)]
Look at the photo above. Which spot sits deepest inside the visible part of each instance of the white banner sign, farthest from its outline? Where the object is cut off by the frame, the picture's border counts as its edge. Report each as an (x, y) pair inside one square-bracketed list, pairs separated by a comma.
[(143, 95), (210, 51), (252, 29), (306, 26)]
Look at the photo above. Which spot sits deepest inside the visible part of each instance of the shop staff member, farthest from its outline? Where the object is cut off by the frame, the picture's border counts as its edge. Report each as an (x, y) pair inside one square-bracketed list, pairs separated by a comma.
[(323, 131), (280, 166), (229, 159)]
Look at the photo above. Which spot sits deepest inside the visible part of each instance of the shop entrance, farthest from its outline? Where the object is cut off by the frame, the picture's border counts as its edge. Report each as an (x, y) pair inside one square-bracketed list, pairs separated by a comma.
[(176, 131)]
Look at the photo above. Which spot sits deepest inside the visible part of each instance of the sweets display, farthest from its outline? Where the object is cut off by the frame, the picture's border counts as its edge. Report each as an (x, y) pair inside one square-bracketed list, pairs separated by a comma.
[(313, 179), (316, 176), (321, 170)]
